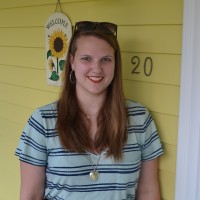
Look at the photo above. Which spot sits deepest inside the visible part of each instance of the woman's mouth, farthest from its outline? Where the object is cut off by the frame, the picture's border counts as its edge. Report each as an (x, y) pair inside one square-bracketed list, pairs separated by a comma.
[(95, 79)]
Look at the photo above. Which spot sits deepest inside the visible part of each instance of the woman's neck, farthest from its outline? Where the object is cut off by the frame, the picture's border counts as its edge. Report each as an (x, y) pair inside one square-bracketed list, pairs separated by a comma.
[(91, 104)]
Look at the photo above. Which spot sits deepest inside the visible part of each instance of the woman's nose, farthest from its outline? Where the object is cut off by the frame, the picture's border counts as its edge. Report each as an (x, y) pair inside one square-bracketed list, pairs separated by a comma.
[(97, 66)]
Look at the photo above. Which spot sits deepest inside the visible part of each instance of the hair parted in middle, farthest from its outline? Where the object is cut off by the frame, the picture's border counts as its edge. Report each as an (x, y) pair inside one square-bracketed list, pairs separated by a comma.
[(111, 131)]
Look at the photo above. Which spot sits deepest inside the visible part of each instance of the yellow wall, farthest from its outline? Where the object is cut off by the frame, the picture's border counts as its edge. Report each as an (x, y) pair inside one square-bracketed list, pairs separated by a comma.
[(150, 28)]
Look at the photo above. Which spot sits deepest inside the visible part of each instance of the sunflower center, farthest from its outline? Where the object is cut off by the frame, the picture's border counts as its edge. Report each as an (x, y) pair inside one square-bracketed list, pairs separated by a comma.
[(58, 44)]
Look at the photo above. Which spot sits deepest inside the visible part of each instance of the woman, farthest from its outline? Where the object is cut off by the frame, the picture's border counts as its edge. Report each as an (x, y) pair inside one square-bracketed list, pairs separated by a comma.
[(91, 143)]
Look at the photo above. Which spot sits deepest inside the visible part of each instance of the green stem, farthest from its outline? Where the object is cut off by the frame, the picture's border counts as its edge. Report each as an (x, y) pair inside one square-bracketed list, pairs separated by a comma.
[(57, 66)]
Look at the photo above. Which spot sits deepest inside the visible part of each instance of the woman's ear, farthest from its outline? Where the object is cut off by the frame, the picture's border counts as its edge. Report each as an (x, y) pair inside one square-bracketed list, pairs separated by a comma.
[(71, 60)]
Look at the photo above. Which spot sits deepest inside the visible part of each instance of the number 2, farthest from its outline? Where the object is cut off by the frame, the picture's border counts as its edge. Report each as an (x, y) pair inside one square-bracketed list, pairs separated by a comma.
[(136, 62)]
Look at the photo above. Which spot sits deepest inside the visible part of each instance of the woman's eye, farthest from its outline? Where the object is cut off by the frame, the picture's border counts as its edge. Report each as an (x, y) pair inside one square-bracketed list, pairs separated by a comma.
[(106, 59), (86, 58)]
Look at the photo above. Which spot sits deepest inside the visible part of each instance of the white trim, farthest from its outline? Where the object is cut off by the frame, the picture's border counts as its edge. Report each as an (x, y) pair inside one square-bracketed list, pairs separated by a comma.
[(188, 156)]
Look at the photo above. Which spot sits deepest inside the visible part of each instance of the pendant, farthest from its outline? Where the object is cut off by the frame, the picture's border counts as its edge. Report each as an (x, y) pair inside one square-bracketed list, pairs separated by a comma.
[(94, 175)]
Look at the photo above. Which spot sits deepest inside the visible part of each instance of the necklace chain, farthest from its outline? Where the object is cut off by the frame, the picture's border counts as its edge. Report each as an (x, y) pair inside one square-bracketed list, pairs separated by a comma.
[(94, 174), (94, 168)]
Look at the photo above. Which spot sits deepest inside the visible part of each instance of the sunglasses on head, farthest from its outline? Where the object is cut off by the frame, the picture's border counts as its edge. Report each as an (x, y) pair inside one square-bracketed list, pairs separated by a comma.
[(89, 26)]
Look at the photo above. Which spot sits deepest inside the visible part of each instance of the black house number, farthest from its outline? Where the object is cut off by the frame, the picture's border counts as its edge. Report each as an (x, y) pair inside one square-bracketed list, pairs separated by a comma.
[(147, 65)]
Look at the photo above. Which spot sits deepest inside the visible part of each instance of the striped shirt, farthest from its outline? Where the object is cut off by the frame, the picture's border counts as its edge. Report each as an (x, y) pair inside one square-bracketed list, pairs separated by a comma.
[(67, 172)]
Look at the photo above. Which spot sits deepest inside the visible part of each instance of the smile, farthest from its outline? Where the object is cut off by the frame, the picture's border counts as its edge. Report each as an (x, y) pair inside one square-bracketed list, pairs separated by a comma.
[(95, 78)]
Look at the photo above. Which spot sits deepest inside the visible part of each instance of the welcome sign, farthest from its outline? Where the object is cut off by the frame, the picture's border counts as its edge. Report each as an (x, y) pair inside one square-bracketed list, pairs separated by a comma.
[(57, 37)]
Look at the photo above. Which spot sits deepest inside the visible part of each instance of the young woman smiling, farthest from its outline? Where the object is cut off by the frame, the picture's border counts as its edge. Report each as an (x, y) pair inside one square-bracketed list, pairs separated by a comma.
[(91, 143)]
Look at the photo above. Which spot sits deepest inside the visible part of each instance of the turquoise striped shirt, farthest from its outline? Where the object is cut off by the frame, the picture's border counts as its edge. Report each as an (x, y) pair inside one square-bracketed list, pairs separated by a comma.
[(67, 172)]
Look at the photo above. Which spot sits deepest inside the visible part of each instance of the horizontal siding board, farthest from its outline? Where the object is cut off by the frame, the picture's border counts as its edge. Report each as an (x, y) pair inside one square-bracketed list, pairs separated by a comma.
[(157, 97), (23, 37), (10, 130), (9, 172), (130, 12), (24, 3), (28, 77), (167, 184), (151, 39), (26, 16), (24, 96), (23, 57), (167, 126), (15, 113), (165, 68)]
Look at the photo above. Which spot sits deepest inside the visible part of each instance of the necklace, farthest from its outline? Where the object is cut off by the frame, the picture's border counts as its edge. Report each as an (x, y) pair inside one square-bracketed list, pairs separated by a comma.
[(94, 174), (90, 116)]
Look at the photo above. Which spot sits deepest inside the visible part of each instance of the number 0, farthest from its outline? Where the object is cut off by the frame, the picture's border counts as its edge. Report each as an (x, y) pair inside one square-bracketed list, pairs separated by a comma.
[(148, 66)]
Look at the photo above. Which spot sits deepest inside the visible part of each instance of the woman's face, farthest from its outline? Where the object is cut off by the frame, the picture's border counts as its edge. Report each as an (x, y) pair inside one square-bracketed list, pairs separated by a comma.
[(94, 66)]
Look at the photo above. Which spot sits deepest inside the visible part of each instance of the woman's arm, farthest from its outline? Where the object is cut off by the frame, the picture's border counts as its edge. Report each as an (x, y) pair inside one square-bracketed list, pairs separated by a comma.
[(148, 186), (32, 182)]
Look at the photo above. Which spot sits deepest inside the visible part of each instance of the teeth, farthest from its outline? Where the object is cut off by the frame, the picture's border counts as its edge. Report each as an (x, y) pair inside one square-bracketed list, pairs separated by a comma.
[(95, 78)]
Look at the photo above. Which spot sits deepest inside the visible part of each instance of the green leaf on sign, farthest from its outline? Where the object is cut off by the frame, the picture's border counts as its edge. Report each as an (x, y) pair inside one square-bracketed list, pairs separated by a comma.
[(62, 64), (54, 76), (49, 54)]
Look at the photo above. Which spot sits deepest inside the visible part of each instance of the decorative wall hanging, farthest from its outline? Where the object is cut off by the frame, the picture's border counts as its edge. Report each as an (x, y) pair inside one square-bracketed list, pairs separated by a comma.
[(57, 36)]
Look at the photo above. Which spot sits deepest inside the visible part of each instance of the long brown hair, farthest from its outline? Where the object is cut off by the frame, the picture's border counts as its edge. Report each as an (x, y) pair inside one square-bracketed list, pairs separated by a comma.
[(71, 125)]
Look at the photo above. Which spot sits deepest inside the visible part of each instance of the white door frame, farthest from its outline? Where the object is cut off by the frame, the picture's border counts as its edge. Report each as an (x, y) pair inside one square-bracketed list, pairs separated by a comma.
[(188, 152)]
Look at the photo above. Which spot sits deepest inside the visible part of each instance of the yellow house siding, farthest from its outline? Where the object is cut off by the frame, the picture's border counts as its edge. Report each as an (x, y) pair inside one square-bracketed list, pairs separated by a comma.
[(150, 28)]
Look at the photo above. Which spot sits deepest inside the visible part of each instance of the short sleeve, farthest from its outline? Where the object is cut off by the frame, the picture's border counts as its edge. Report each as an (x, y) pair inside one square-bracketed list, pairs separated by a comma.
[(32, 145), (142, 131), (152, 146)]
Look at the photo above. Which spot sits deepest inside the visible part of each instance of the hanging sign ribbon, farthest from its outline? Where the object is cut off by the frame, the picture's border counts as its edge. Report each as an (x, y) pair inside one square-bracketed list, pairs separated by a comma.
[(58, 34)]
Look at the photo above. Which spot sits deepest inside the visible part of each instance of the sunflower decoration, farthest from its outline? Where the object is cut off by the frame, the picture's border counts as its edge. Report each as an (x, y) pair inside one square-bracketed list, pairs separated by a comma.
[(51, 65), (58, 44)]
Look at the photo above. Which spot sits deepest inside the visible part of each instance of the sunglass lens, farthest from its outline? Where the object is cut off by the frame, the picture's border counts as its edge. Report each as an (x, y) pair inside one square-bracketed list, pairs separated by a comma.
[(108, 27), (85, 26)]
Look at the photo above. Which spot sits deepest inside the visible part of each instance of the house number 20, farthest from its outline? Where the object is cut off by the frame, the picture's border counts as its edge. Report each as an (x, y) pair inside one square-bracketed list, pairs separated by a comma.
[(147, 65)]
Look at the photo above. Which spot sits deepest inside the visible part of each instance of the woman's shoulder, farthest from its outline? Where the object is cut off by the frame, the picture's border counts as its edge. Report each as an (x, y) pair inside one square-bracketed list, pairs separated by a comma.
[(133, 105), (50, 106), (45, 110), (137, 113)]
